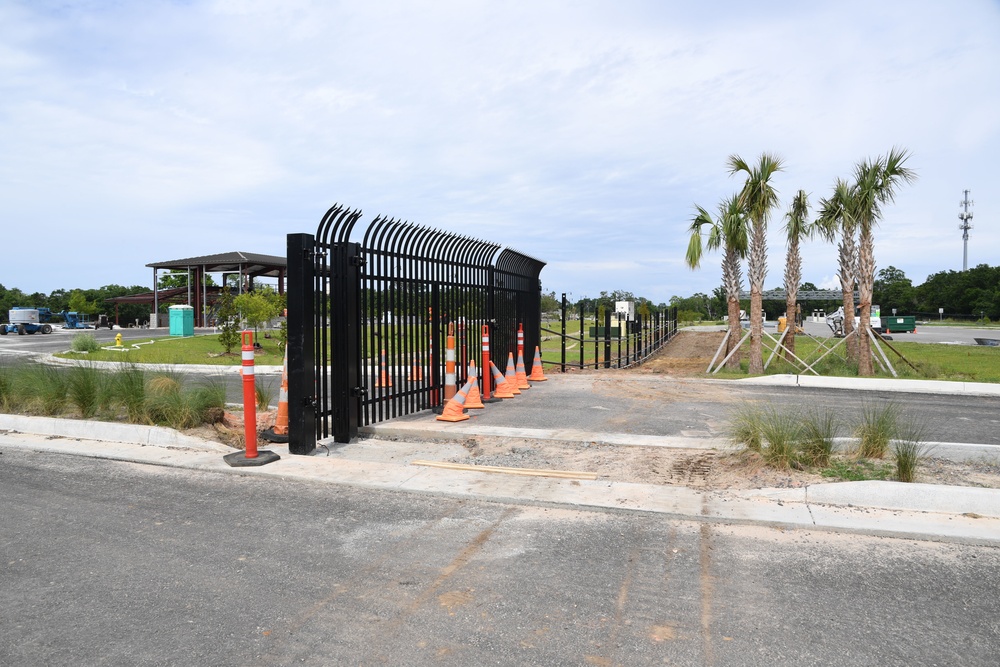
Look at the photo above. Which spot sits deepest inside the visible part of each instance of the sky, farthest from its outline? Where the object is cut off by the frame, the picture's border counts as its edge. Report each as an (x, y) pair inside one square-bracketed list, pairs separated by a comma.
[(582, 133)]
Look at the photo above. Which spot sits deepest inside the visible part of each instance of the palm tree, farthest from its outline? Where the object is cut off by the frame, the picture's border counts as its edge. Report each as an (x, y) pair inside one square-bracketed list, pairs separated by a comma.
[(729, 232), (757, 198), (837, 217), (875, 183), (797, 227)]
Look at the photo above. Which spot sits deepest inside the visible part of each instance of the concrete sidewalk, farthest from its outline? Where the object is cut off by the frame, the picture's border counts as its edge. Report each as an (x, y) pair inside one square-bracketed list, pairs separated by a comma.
[(920, 511)]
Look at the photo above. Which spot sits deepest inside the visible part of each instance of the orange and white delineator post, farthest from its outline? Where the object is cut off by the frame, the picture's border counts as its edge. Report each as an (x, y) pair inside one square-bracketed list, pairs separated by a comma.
[(522, 376), (455, 407), (450, 381), (416, 371), (474, 400), (384, 379), (537, 375), (503, 389), (486, 362), (249, 456), (511, 374), (249, 397)]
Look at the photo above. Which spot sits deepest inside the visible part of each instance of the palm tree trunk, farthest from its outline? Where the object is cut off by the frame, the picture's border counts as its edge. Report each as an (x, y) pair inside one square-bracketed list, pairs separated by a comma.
[(793, 274), (732, 278), (866, 279), (757, 271), (847, 274)]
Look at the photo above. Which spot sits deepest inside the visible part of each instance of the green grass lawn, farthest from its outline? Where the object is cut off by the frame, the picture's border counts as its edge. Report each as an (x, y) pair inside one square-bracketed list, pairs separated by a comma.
[(202, 349), (966, 363)]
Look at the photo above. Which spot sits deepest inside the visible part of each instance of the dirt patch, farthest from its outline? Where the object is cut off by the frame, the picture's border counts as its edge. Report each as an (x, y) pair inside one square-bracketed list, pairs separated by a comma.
[(689, 353), (693, 468)]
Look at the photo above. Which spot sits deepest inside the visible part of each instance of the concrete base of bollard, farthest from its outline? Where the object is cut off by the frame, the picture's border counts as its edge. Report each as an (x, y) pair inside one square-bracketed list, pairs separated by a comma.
[(240, 460)]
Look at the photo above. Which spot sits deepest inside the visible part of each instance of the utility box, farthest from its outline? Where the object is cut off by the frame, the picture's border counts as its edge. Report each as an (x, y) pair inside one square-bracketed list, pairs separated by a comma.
[(181, 321), (900, 323)]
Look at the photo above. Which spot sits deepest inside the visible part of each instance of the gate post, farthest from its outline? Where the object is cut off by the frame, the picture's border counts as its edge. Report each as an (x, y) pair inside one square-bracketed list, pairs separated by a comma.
[(301, 338), (346, 391)]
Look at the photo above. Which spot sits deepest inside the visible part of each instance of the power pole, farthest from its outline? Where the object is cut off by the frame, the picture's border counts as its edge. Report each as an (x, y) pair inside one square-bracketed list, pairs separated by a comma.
[(965, 216)]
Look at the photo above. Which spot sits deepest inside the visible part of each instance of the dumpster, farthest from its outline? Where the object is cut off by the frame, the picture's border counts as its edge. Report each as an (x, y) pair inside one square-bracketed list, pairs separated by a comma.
[(181, 321), (900, 324)]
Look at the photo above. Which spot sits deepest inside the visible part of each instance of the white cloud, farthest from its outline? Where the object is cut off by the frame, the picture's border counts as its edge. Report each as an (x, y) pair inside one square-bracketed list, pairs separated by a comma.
[(581, 134)]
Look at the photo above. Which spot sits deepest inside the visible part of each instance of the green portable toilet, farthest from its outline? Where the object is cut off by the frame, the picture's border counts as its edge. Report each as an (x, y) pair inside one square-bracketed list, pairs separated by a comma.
[(181, 321)]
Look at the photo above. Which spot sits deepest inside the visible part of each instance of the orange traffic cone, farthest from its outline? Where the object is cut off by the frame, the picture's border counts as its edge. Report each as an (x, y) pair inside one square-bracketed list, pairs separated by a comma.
[(536, 368), (279, 432), (475, 399), (384, 380), (416, 371), (512, 375), (454, 408), (502, 387), (522, 377)]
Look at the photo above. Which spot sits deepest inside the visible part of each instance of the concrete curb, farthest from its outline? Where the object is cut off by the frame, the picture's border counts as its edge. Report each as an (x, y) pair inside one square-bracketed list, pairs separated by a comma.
[(156, 436), (875, 384)]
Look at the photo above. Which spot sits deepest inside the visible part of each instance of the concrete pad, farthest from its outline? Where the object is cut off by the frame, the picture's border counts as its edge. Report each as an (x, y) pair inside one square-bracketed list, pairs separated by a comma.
[(431, 428)]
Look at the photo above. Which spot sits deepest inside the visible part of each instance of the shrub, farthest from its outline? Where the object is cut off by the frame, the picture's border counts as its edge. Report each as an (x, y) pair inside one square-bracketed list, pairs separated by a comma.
[(85, 342)]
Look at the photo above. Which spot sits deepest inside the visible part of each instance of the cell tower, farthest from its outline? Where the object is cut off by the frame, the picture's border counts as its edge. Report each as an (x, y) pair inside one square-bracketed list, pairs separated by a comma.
[(965, 216)]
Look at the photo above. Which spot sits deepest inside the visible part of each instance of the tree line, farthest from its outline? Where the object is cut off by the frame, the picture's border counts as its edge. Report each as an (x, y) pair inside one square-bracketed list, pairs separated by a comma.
[(966, 295), (84, 301)]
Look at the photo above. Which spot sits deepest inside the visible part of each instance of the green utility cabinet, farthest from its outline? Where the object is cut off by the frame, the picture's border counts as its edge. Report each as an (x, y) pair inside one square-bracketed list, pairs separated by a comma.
[(181, 321)]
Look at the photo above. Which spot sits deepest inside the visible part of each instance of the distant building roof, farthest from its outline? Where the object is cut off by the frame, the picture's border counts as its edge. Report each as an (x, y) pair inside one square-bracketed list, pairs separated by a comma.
[(248, 263)]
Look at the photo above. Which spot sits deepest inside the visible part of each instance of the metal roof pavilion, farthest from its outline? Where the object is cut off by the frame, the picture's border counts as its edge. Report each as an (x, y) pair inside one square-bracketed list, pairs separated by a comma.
[(248, 265)]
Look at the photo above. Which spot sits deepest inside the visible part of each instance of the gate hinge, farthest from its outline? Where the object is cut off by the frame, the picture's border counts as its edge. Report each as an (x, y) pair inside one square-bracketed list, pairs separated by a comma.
[(359, 392), (358, 260)]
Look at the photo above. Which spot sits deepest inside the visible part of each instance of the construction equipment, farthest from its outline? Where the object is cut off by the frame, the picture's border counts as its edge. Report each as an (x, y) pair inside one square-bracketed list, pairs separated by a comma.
[(26, 320), (73, 320), (835, 321)]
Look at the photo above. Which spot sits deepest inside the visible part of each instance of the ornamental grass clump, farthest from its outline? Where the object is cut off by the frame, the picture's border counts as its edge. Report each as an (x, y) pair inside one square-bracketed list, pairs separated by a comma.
[(745, 428), (909, 450), (819, 429), (782, 431), (879, 424), (84, 386)]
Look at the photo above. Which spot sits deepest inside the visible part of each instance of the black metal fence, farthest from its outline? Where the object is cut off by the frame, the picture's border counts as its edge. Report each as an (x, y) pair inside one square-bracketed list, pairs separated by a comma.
[(611, 340), (367, 322)]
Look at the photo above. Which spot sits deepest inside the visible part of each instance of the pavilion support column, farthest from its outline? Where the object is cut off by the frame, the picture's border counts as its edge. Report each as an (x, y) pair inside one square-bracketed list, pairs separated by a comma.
[(154, 317)]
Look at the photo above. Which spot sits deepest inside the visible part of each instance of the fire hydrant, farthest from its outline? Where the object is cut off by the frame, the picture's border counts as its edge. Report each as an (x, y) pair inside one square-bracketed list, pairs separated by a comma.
[(118, 340)]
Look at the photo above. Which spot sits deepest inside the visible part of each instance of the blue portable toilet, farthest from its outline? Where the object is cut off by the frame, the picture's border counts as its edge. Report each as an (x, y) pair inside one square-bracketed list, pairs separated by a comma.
[(181, 321)]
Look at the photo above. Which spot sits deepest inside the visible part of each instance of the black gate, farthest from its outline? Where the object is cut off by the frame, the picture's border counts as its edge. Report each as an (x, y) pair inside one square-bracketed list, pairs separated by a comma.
[(368, 321)]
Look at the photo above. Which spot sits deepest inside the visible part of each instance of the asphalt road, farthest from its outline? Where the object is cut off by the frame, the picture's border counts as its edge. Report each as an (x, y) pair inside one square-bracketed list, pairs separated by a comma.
[(113, 563)]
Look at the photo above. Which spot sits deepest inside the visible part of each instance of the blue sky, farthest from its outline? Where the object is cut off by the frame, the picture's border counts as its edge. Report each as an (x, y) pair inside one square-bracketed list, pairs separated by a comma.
[(581, 133)]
